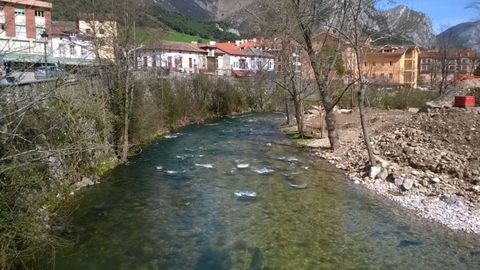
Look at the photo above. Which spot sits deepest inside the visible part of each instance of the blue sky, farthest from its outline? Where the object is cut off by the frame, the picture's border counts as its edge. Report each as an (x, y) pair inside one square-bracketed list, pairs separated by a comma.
[(444, 13)]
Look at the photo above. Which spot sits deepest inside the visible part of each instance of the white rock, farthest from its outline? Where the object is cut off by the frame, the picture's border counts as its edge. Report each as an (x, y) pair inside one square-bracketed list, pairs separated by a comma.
[(407, 184), (374, 171)]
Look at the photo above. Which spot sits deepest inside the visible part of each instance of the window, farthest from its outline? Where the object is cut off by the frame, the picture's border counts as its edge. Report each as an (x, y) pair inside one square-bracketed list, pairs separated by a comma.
[(145, 61), (374, 64), (61, 49), (88, 31), (190, 64), (39, 13), (19, 11), (391, 63), (39, 32), (84, 51), (464, 68), (21, 31), (382, 75), (365, 63), (390, 76), (101, 31), (72, 50)]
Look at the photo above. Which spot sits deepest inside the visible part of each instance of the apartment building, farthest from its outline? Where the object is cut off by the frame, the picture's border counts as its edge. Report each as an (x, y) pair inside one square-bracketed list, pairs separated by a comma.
[(393, 65), (452, 63), (22, 25)]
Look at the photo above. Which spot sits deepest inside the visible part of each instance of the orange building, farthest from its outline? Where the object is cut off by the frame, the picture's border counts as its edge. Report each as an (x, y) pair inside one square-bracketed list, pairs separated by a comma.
[(393, 66)]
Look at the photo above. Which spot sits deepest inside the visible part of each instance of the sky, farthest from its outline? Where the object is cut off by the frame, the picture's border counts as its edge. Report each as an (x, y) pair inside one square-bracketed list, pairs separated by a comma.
[(443, 13)]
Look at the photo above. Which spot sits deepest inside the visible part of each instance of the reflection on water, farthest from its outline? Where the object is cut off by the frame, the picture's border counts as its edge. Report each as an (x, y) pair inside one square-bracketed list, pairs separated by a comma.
[(177, 207)]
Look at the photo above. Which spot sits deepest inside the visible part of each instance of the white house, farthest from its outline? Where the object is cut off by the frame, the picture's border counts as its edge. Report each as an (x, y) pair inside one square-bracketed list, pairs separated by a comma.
[(245, 59), (68, 47), (173, 56)]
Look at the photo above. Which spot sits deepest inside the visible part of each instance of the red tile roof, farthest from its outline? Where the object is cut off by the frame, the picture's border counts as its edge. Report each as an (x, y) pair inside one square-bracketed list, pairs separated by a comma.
[(231, 48)]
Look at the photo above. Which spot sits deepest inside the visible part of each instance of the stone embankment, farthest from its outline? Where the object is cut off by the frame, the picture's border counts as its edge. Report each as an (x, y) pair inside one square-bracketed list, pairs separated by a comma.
[(427, 162)]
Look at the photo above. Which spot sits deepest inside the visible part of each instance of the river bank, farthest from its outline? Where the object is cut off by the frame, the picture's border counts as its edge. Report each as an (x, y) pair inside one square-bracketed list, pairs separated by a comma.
[(428, 161)]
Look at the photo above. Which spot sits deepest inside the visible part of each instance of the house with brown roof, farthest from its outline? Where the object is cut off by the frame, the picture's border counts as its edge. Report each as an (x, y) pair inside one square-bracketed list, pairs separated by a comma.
[(173, 57), (392, 65)]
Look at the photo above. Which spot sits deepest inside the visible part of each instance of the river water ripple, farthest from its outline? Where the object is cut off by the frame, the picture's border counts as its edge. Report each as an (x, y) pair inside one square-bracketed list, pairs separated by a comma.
[(216, 196)]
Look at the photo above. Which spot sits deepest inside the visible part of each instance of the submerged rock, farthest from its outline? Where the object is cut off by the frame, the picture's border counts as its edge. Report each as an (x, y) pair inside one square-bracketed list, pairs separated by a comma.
[(86, 182)]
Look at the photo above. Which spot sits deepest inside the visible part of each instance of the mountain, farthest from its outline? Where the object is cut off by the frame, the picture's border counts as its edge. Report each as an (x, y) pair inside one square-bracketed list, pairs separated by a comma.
[(401, 24), (211, 10), (464, 35), (410, 25)]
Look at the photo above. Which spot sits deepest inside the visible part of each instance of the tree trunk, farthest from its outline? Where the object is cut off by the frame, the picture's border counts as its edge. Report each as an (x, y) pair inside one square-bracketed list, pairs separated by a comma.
[(287, 111), (126, 122), (298, 116), (364, 122)]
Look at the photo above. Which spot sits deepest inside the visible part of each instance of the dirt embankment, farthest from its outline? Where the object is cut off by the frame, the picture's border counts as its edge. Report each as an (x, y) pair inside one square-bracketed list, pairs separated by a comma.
[(428, 162)]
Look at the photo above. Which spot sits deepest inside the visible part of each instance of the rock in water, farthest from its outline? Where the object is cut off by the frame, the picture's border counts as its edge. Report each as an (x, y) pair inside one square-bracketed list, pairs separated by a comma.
[(86, 182)]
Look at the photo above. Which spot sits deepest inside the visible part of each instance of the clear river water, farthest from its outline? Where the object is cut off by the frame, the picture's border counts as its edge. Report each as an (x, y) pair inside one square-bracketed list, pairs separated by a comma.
[(216, 196)]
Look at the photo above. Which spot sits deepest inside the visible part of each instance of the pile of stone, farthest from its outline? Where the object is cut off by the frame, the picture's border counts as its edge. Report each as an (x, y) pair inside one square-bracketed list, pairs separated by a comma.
[(429, 162)]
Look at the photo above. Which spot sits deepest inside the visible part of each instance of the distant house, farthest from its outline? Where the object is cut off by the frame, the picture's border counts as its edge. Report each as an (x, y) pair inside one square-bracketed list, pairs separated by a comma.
[(102, 30), (453, 63), (172, 56), (68, 47), (218, 61), (246, 59), (393, 65)]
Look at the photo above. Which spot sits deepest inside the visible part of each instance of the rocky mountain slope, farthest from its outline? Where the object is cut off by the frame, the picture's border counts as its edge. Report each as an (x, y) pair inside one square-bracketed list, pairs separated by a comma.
[(409, 24), (401, 24), (464, 35), (215, 10)]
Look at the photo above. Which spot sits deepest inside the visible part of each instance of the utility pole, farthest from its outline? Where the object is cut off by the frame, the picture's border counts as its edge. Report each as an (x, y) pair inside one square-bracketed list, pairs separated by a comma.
[(44, 36)]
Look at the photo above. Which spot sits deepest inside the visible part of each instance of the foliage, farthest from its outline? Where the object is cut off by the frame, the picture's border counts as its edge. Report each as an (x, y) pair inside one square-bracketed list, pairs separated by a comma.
[(389, 99), (191, 26), (179, 37)]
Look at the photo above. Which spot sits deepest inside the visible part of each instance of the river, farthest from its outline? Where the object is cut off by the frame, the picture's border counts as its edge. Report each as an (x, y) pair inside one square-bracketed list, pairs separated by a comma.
[(176, 206)]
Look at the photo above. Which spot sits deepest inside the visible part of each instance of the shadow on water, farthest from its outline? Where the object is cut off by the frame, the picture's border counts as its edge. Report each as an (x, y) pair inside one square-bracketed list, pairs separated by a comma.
[(176, 207)]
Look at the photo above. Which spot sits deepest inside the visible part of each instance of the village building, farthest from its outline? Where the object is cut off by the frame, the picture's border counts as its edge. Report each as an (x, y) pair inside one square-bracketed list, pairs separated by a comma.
[(246, 58), (218, 61), (172, 57), (102, 30), (68, 47), (25, 30), (393, 66), (451, 63)]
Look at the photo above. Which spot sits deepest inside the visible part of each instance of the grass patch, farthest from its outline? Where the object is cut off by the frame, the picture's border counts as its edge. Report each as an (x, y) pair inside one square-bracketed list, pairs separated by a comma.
[(181, 37)]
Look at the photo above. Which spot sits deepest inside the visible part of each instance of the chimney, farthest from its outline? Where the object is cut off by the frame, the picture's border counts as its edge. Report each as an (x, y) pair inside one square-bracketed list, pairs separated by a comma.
[(212, 43)]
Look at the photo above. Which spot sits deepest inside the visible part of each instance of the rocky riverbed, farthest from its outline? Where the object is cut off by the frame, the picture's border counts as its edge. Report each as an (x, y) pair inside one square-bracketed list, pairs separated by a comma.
[(428, 162)]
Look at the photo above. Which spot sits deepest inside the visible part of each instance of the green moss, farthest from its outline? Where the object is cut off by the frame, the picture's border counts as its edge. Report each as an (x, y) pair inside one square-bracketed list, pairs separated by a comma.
[(105, 166)]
